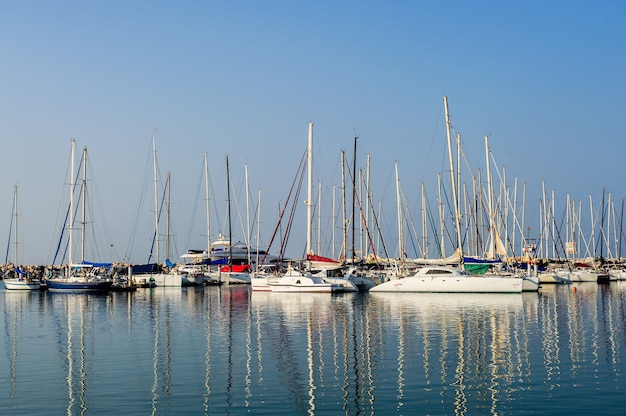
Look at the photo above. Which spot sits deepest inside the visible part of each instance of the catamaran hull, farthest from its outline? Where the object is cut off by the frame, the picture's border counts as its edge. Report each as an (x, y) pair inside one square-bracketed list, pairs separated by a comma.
[(452, 285)]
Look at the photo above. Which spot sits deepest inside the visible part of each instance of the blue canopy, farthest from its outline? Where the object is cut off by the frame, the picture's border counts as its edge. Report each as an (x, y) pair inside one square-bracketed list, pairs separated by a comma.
[(145, 268), (94, 264)]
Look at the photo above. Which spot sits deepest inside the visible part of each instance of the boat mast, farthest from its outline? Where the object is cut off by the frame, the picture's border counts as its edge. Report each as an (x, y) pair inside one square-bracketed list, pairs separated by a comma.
[(621, 223), (15, 213), (492, 232), (248, 235), (83, 207), (344, 226), (424, 224), (309, 203), (156, 197), (334, 220), (167, 223), (258, 230), (70, 224), (455, 199), (319, 218), (230, 238), (399, 210), (206, 193), (353, 198)]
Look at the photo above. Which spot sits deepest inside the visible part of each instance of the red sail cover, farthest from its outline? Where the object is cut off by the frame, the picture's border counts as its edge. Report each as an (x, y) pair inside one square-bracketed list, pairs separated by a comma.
[(321, 259)]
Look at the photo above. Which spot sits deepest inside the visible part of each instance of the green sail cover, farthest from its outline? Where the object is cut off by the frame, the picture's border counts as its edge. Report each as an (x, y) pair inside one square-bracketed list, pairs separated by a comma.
[(477, 268)]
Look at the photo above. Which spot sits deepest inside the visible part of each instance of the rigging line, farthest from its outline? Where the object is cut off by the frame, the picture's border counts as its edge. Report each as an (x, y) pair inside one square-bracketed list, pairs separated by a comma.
[(282, 212), (294, 206), (369, 237), (6, 258)]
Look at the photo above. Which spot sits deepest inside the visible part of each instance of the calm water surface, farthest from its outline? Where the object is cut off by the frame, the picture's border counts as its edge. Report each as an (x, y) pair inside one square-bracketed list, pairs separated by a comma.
[(226, 350)]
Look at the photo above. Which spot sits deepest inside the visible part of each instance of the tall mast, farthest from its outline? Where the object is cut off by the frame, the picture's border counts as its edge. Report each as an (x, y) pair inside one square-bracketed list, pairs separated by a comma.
[(399, 209), (319, 218), (424, 224), (309, 200), (248, 235), (344, 226), (167, 223), (70, 224), (258, 229), (333, 210), (230, 237), (353, 197), (455, 199), (492, 231), (156, 197), (15, 213), (206, 194), (83, 208), (367, 203)]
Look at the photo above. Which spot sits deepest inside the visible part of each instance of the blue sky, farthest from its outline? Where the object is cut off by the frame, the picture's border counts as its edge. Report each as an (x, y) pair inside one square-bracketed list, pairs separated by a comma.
[(545, 80)]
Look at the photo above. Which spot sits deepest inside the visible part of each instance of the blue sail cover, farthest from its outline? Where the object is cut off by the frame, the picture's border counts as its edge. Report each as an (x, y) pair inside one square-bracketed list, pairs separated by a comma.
[(95, 264), (223, 260), (168, 263), (145, 268), (485, 261), (19, 271)]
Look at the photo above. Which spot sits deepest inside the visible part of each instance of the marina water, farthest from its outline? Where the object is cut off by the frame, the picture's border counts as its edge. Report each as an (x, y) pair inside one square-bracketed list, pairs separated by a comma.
[(226, 350)]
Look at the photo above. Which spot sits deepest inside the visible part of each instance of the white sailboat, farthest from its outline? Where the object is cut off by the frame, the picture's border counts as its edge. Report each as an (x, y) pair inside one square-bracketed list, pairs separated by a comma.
[(18, 279), (443, 279), (447, 279), (79, 277), (294, 280), (153, 273)]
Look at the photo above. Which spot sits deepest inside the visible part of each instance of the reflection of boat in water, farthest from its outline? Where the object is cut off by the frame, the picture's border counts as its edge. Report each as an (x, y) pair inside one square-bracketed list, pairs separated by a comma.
[(443, 303)]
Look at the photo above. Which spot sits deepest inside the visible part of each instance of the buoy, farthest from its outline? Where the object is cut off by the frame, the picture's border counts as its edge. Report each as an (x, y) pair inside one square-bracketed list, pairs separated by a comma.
[(574, 288)]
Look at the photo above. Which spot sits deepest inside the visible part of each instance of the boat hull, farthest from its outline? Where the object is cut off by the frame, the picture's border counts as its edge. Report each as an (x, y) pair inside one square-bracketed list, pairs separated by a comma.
[(259, 284), (18, 284), (167, 280), (452, 285), (58, 285), (294, 281)]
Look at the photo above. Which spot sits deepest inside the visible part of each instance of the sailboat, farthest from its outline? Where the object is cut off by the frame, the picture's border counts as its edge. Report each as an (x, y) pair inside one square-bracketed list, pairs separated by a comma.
[(19, 279), (84, 276), (297, 280), (452, 279), (153, 273), (228, 271)]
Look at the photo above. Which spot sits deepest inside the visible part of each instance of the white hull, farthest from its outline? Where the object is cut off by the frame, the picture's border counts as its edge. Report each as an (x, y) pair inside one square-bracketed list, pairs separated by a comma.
[(450, 280), (347, 284), (530, 284), (579, 275), (259, 284), (617, 274), (231, 277), (19, 284), (167, 279), (294, 281)]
